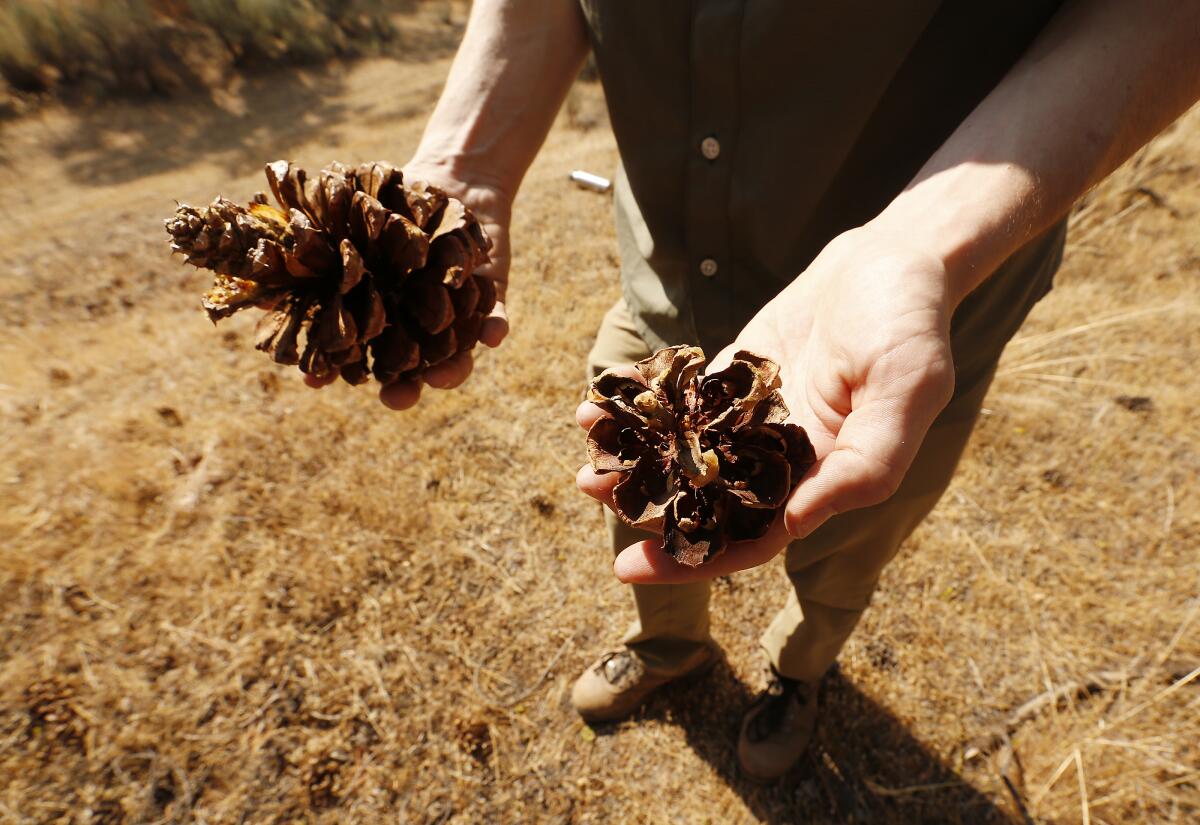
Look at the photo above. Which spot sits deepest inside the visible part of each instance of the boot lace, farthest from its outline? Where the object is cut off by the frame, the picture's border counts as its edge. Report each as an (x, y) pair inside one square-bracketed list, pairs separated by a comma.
[(617, 666)]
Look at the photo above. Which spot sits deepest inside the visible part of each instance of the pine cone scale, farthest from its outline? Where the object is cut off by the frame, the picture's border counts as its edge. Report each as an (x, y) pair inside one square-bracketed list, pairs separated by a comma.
[(430, 304), (279, 329), (606, 452), (353, 268), (404, 244), (642, 498), (336, 330), (466, 298), (395, 354), (373, 317), (487, 296), (228, 295), (438, 347)]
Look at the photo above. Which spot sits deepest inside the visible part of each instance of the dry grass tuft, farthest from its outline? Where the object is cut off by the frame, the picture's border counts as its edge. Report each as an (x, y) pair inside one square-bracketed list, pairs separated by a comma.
[(225, 598)]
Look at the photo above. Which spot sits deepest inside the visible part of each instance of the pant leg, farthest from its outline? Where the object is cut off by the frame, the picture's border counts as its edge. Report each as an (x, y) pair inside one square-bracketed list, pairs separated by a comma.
[(835, 570), (672, 620)]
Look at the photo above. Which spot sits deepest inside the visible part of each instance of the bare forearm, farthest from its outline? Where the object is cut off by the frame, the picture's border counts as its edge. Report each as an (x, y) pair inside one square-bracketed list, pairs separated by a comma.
[(513, 69), (1104, 78)]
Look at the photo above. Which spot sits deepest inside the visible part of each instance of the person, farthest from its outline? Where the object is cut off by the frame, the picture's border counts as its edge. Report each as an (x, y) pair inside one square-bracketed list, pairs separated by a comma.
[(871, 194)]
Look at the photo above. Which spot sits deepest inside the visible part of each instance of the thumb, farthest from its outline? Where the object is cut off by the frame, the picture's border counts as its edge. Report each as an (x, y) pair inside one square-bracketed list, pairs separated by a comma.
[(874, 449)]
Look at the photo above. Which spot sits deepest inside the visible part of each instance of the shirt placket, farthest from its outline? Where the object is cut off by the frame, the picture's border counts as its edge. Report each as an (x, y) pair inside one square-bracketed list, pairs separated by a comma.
[(716, 35)]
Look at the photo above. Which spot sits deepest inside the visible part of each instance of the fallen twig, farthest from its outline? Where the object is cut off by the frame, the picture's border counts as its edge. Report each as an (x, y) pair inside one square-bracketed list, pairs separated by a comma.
[(1091, 685), (1086, 688), (523, 694)]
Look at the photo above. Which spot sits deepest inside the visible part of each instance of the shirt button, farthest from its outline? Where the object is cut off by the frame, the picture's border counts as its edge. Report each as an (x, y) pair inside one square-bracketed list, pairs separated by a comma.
[(708, 267), (710, 147)]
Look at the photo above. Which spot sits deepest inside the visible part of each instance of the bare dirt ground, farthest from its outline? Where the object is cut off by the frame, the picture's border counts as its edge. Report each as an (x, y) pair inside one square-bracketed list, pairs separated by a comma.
[(226, 598)]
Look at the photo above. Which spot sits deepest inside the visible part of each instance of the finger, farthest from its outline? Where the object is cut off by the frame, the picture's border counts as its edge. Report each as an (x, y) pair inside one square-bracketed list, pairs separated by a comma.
[(597, 485), (722, 359), (587, 414), (647, 563), (450, 373), (317, 382), (495, 326), (871, 455), (400, 395), (843, 480)]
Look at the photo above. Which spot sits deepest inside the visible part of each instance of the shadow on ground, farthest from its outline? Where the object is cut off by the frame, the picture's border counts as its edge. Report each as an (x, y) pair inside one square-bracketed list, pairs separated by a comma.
[(265, 113), (865, 766), (270, 115)]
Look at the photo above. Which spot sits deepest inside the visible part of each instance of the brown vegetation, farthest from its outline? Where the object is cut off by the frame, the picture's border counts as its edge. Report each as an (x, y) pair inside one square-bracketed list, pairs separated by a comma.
[(230, 600), (167, 47)]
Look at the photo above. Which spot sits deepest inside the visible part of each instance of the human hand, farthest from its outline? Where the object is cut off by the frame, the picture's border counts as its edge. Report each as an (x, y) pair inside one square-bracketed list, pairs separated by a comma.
[(862, 340), (493, 207)]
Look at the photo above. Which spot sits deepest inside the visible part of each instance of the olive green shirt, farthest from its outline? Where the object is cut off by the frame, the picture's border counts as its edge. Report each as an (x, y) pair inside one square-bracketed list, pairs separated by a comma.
[(751, 132)]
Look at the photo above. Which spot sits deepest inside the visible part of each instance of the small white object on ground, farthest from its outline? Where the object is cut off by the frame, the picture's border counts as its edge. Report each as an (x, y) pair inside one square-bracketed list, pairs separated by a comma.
[(587, 180)]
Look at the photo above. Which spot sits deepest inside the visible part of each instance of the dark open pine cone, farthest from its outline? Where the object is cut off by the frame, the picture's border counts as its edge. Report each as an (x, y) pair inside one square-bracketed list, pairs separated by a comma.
[(365, 275), (708, 459)]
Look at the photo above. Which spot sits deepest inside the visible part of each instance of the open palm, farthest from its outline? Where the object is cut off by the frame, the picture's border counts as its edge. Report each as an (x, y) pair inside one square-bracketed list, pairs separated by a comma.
[(862, 340)]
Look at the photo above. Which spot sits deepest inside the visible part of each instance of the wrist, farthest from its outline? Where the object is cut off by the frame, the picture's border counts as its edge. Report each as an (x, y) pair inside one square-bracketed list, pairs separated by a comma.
[(970, 217), (452, 171)]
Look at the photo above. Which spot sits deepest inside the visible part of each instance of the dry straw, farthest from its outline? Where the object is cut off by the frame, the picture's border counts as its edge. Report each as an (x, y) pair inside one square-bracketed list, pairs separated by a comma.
[(228, 598)]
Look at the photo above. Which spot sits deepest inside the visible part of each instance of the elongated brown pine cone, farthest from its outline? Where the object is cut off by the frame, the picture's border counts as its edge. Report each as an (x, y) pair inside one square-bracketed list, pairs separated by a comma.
[(708, 459), (366, 275)]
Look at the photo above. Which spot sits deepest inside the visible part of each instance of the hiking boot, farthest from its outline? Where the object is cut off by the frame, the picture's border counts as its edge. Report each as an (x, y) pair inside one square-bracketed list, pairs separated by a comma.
[(778, 728), (617, 683)]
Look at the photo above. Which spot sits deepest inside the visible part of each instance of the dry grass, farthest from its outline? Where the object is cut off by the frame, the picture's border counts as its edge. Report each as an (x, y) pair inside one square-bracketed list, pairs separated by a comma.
[(167, 47), (226, 598)]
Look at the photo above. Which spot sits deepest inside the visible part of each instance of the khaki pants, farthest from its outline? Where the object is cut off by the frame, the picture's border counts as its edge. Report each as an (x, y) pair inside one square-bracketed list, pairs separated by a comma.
[(833, 572)]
